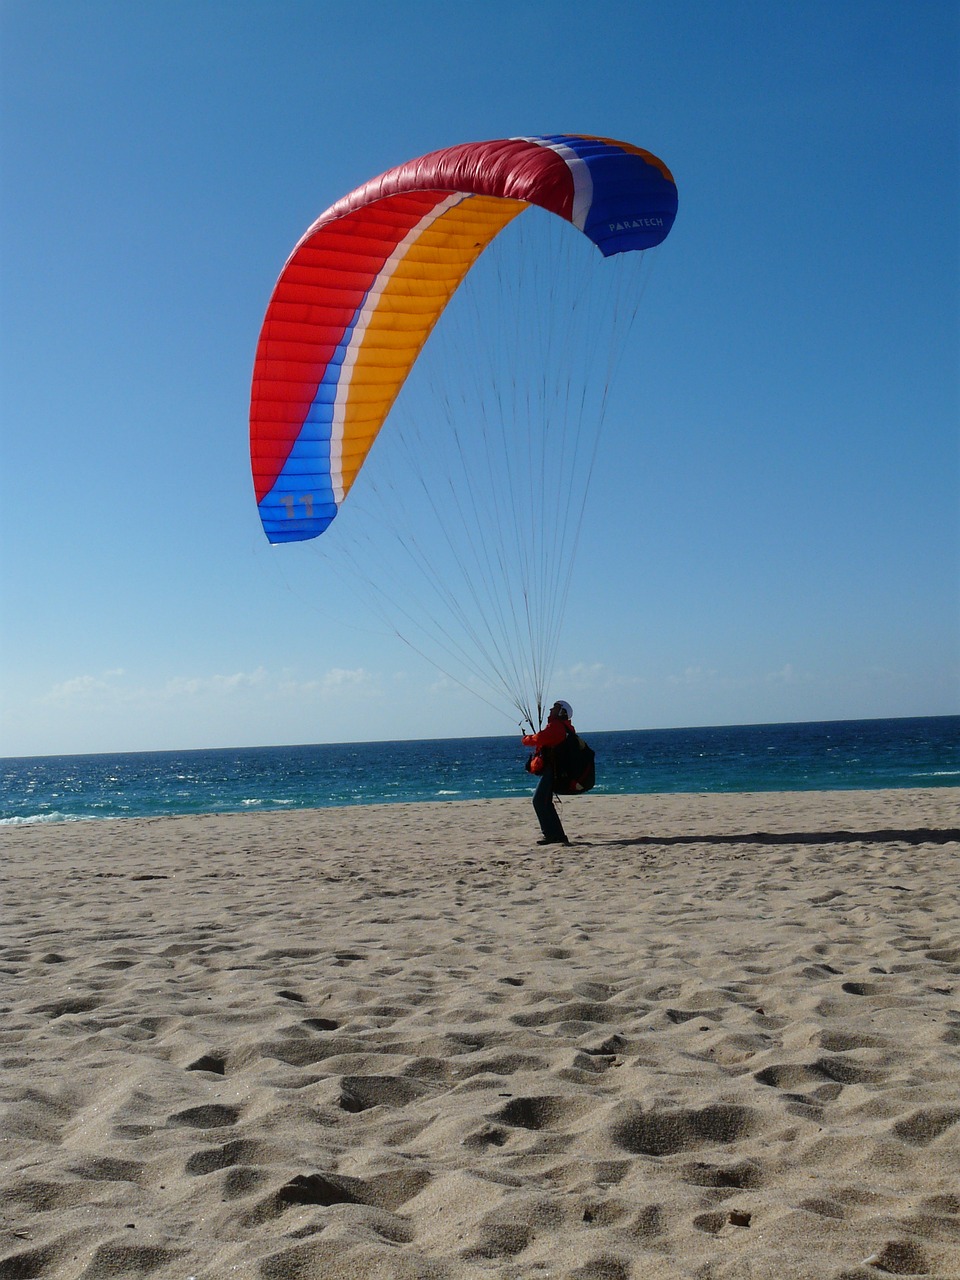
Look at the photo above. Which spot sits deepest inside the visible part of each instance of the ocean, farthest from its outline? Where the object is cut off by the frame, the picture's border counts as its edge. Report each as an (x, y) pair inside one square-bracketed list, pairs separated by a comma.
[(833, 755)]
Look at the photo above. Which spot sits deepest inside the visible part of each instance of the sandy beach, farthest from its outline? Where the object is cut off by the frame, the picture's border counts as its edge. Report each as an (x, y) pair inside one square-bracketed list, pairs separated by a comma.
[(717, 1037)]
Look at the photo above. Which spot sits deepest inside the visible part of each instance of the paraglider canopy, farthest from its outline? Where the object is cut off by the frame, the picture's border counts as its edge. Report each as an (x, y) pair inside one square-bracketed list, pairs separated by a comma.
[(362, 290)]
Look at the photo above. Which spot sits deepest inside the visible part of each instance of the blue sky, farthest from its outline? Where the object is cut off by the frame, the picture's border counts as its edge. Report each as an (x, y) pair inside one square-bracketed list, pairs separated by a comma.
[(773, 531)]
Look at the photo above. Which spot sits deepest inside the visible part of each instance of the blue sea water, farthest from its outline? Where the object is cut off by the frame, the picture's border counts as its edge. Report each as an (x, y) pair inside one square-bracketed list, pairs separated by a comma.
[(835, 755)]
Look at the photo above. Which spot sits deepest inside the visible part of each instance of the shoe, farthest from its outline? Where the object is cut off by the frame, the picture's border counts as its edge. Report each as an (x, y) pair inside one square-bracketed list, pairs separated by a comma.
[(546, 841)]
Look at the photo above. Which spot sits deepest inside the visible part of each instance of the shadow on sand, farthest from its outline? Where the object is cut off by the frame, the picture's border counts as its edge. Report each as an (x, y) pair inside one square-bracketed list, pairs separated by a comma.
[(919, 835)]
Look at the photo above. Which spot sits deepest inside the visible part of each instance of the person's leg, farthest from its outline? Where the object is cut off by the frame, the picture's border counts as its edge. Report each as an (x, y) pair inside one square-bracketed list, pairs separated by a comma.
[(546, 811)]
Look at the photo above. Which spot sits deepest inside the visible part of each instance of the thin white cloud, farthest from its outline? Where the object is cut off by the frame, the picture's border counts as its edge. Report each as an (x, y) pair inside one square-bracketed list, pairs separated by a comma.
[(354, 680), (787, 674), (335, 683), (194, 686), (694, 676), (587, 677), (113, 687), (80, 688)]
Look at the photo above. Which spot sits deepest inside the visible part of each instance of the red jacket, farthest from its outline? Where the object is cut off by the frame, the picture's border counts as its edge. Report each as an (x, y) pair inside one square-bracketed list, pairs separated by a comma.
[(551, 735)]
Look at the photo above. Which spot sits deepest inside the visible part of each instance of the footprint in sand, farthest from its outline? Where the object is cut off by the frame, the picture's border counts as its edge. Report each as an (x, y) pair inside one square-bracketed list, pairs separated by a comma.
[(378, 1198), (37, 1196), (241, 1151), (502, 1064), (604, 1213), (542, 1112), (361, 1093), (499, 1240), (487, 1136), (243, 1180), (69, 1005), (664, 1133), (213, 1115), (901, 1258), (111, 1258), (306, 1052), (605, 1266), (923, 1127), (824, 1208), (844, 1041), (848, 1071), (745, 1175), (679, 1016), (863, 988), (573, 1012), (109, 1169), (788, 1075), (211, 1062), (650, 1222)]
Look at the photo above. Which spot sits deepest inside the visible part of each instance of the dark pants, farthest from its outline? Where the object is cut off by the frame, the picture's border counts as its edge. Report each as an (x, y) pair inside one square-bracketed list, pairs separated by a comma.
[(546, 812)]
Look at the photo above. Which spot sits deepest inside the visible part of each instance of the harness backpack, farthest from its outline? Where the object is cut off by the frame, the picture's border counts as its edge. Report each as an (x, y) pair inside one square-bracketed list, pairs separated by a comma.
[(574, 769)]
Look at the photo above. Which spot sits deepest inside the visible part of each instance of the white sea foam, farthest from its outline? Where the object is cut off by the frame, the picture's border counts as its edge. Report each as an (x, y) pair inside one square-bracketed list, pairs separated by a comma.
[(33, 818)]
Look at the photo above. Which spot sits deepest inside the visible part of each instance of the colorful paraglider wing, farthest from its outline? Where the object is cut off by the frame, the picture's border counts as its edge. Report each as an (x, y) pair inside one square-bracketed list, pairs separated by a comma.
[(363, 289)]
